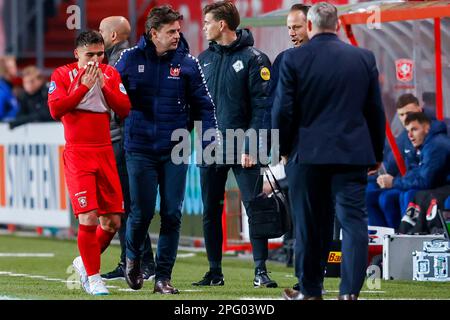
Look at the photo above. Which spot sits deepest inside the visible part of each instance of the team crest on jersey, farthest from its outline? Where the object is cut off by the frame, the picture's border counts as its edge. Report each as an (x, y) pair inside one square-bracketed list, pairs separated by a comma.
[(238, 66), (82, 201), (141, 68), (52, 87), (175, 71), (122, 88)]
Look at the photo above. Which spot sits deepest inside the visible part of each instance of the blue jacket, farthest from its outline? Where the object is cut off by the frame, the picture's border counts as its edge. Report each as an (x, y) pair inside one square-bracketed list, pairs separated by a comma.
[(328, 105), (167, 92), (404, 146), (9, 107), (433, 157)]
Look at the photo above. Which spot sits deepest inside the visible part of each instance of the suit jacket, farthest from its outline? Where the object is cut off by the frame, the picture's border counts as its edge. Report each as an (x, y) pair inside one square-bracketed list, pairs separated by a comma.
[(328, 104)]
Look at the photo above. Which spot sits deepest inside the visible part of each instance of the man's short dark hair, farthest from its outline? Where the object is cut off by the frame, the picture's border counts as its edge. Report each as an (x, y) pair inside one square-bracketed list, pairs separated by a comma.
[(406, 99), (300, 7), (417, 116), (161, 15), (224, 10), (87, 38)]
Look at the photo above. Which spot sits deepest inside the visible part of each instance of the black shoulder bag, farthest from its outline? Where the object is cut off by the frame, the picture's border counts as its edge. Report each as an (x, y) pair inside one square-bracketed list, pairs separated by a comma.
[(270, 214)]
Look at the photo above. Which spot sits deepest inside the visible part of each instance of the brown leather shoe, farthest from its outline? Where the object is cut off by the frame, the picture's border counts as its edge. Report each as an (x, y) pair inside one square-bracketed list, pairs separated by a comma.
[(291, 294), (164, 287), (348, 297), (133, 274)]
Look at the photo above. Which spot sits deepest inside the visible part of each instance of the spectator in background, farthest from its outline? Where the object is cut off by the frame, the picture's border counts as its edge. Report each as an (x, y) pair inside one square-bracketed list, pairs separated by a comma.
[(406, 104), (431, 153), (9, 106), (382, 205), (33, 100)]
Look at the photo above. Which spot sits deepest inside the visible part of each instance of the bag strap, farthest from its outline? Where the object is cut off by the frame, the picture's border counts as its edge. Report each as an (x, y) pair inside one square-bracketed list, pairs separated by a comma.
[(268, 180), (275, 181), (257, 182)]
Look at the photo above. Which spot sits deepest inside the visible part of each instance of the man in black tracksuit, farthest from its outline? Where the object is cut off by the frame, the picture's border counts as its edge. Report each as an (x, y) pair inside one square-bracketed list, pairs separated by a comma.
[(237, 76), (115, 31)]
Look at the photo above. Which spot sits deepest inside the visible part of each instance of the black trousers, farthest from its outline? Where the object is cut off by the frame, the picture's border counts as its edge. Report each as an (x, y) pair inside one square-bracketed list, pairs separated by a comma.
[(213, 180), (147, 255), (317, 193)]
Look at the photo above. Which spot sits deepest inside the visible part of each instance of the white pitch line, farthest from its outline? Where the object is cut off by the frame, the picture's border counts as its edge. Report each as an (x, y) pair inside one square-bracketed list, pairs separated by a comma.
[(36, 277), (186, 255), (53, 279), (23, 275), (8, 298), (368, 291), (26, 255), (131, 290)]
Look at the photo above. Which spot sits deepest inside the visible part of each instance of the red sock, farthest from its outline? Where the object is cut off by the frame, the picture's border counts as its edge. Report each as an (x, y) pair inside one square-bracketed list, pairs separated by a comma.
[(103, 238), (89, 249)]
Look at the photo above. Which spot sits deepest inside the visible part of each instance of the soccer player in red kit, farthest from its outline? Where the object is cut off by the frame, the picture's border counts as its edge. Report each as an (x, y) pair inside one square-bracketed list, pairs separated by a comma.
[(81, 95)]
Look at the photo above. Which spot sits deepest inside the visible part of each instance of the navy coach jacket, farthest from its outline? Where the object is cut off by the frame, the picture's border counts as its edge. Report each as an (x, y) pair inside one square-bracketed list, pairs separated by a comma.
[(166, 92), (328, 105)]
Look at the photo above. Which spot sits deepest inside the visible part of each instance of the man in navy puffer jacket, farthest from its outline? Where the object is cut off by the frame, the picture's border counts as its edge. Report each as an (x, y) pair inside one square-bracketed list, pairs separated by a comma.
[(431, 148), (167, 91)]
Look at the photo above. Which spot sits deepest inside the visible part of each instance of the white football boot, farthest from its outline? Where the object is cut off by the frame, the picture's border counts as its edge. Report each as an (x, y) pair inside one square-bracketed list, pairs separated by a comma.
[(79, 267), (97, 285)]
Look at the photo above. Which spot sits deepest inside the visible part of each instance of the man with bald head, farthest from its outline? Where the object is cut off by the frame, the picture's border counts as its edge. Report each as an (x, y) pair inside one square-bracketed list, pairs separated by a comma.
[(115, 31)]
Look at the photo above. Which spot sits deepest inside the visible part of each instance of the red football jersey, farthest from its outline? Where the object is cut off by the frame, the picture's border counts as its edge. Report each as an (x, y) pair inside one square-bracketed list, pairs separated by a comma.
[(85, 112)]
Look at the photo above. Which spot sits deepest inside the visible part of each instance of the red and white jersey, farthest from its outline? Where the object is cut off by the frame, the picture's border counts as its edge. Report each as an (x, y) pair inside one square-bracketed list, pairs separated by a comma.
[(85, 112)]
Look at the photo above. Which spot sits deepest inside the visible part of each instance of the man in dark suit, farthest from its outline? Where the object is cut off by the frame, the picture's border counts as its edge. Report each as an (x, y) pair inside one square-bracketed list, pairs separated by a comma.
[(331, 123)]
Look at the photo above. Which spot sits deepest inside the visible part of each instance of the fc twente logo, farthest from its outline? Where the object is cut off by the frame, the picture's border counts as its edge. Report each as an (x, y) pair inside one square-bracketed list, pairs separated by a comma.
[(82, 201), (404, 70), (175, 71)]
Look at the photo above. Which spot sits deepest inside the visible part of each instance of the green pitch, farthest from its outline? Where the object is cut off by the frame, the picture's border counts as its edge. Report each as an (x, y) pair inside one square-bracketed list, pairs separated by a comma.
[(51, 277)]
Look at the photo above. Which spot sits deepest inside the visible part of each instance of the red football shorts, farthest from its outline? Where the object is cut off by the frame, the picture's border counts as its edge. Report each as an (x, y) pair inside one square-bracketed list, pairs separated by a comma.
[(92, 179)]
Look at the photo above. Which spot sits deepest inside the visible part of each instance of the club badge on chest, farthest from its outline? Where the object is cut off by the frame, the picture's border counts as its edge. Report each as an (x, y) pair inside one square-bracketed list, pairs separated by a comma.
[(174, 72)]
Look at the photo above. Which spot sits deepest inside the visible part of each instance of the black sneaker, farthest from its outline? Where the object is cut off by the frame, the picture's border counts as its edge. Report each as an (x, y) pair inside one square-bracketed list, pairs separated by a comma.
[(148, 271), (211, 279), (262, 280), (116, 274)]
